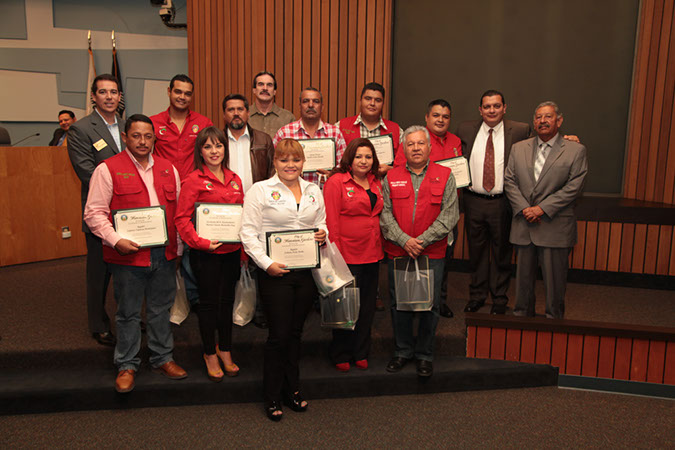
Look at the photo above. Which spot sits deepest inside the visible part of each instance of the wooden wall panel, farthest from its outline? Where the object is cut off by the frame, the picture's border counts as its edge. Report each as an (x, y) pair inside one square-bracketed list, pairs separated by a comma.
[(498, 343), (656, 362), (334, 45), (40, 194), (606, 356), (650, 159)]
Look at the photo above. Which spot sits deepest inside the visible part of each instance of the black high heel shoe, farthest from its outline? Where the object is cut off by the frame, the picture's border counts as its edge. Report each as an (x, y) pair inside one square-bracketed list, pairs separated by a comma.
[(271, 408), (295, 402)]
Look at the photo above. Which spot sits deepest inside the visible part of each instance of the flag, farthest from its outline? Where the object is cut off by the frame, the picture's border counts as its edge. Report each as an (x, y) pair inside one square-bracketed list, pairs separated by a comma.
[(89, 102), (116, 72)]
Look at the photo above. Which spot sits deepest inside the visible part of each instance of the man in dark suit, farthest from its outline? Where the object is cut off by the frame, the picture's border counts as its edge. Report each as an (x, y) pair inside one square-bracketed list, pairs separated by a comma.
[(66, 119), (544, 176), (92, 140), (487, 144)]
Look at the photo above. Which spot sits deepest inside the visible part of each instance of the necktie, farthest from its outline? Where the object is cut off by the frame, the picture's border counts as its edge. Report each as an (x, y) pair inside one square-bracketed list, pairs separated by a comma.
[(542, 153), (489, 164)]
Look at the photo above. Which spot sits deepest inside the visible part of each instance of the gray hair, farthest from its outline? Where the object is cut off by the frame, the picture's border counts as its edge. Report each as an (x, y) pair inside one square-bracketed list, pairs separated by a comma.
[(414, 129), (549, 103)]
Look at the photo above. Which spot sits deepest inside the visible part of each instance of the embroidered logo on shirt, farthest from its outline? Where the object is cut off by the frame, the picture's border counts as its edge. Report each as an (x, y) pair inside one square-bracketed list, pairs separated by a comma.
[(350, 192), (311, 198), (276, 195), (234, 185), (162, 131), (399, 183), (347, 131), (125, 175), (208, 185), (195, 128)]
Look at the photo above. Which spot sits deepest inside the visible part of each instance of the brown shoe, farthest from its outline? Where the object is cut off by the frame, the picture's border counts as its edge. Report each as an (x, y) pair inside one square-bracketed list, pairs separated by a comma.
[(125, 381), (171, 370)]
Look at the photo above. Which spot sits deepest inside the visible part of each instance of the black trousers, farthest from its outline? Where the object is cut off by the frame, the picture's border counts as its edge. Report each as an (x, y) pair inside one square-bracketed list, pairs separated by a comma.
[(488, 224), (286, 300), (216, 275), (98, 278), (354, 344)]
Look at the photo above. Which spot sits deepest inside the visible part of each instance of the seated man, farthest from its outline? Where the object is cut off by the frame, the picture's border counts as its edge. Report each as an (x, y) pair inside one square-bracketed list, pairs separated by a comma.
[(136, 179), (66, 119)]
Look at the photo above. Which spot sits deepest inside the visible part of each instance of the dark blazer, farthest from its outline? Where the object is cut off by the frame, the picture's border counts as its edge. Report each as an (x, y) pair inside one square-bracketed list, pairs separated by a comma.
[(84, 156), (560, 183), (262, 154), (57, 135), (513, 132)]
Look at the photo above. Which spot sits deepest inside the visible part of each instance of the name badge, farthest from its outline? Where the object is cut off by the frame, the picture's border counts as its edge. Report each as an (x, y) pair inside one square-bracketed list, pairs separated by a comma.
[(100, 145)]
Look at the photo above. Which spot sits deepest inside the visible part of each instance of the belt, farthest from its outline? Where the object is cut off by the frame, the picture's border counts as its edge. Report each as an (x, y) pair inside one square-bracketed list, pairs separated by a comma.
[(485, 196)]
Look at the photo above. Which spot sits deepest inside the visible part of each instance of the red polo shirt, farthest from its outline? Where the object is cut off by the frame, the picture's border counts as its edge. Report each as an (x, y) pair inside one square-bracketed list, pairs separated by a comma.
[(178, 146), (446, 148)]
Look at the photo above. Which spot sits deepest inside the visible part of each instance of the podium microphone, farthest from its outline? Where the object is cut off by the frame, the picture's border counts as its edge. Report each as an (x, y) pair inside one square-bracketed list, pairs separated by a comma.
[(27, 137)]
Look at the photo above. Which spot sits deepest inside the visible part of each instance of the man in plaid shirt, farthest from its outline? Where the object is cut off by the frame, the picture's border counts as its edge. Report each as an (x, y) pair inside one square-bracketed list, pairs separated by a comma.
[(310, 126)]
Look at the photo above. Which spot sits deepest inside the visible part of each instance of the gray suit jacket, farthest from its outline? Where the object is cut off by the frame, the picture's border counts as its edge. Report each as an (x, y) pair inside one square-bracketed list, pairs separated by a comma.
[(84, 157), (560, 183)]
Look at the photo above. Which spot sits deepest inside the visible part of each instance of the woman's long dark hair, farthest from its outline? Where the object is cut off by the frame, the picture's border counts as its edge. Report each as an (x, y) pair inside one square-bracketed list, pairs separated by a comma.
[(216, 135)]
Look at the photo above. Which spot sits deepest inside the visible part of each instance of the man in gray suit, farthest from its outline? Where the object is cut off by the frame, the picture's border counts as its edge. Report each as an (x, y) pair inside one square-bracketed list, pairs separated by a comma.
[(90, 141), (543, 178)]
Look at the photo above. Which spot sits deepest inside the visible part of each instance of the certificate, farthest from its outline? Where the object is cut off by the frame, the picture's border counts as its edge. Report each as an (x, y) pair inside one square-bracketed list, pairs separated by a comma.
[(460, 169), (319, 154), (144, 226), (295, 248), (221, 221), (384, 148)]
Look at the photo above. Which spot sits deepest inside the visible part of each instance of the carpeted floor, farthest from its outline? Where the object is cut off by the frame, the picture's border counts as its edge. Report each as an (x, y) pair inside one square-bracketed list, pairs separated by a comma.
[(525, 418)]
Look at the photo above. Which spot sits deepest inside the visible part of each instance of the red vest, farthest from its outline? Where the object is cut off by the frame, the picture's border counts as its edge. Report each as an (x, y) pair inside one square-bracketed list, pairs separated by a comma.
[(429, 199), (351, 131), (129, 191)]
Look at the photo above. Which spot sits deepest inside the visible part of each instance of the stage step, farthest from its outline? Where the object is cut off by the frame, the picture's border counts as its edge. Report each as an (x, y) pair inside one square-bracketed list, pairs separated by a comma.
[(60, 389)]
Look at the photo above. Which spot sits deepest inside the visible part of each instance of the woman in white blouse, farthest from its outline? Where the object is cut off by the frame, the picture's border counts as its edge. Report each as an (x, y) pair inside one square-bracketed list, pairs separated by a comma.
[(283, 202)]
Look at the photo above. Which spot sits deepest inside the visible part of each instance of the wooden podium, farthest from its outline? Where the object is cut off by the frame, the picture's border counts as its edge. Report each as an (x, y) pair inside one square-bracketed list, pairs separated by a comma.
[(39, 194)]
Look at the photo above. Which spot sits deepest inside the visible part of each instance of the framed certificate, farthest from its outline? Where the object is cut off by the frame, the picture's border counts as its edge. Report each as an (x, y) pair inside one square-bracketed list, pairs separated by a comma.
[(295, 248), (384, 148), (319, 154), (460, 170), (144, 226), (221, 221)]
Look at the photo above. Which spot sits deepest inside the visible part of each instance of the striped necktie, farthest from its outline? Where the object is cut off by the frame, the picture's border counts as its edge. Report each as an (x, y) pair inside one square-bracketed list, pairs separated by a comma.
[(542, 154), (489, 164)]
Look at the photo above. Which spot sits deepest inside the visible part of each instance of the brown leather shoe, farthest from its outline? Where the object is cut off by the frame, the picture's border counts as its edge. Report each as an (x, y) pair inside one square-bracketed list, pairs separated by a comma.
[(171, 370), (125, 381)]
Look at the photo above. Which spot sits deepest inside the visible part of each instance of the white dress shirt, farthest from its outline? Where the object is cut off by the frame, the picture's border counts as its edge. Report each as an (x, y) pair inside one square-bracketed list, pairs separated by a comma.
[(477, 159), (240, 157), (270, 206), (114, 130)]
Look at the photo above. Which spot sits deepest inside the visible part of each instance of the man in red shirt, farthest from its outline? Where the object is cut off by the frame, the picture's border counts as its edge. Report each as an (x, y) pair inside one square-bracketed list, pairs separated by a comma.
[(176, 131), (177, 127), (444, 145)]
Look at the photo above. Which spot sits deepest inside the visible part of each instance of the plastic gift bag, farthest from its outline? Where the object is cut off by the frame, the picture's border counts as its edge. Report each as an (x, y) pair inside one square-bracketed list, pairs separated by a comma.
[(181, 307), (244, 299), (340, 309), (334, 272), (414, 284)]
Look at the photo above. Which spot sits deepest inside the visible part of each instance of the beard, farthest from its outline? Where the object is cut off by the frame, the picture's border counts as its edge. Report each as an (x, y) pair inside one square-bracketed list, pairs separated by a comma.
[(237, 125)]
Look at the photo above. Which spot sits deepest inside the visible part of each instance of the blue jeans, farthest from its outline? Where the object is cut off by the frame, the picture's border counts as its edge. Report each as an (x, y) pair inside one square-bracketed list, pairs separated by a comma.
[(157, 284), (189, 279), (406, 345)]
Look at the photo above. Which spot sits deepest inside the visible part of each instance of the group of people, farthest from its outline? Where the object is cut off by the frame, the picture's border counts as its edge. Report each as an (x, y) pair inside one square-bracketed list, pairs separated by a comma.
[(522, 192)]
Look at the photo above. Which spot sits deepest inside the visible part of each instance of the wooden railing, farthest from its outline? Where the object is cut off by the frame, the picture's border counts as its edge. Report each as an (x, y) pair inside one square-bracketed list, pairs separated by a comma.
[(592, 349)]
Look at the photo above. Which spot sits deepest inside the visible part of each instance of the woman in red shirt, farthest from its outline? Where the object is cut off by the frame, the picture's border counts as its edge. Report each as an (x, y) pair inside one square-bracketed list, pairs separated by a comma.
[(216, 265), (353, 197)]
